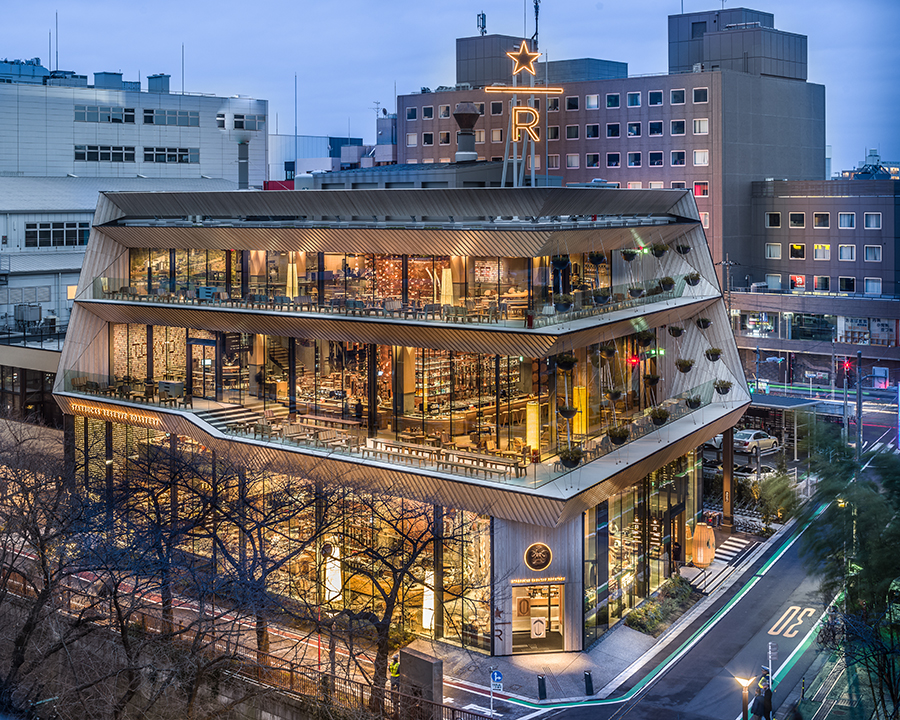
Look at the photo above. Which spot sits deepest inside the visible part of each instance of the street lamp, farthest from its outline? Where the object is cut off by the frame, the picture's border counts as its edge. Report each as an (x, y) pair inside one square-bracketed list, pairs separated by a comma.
[(745, 684)]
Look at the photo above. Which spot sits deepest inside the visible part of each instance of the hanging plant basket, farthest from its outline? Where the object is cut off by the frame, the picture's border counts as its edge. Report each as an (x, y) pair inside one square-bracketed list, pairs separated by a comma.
[(562, 302), (645, 338), (571, 457), (566, 361), (692, 279), (567, 411), (659, 416), (635, 292), (601, 297), (613, 395), (693, 402), (667, 284), (608, 351), (713, 354), (618, 434), (676, 330), (723, 387), (596, 258), (703, 323), (658, 249), (651, 379), (683, 249), (629, 254), (684, 364), (560, 262)]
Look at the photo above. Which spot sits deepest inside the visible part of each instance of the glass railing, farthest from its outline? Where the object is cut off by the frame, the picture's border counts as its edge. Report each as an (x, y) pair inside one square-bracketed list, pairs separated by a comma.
[(345, 438), (508, 311)]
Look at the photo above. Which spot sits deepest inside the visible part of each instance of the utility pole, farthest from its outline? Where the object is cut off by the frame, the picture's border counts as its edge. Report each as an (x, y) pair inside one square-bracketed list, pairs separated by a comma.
[(756, 391), (727, 264), (833, 370), (845, 434), (859, 377)]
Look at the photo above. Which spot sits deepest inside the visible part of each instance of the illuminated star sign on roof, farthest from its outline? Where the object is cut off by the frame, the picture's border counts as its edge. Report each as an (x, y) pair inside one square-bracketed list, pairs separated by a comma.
[(524, 59)]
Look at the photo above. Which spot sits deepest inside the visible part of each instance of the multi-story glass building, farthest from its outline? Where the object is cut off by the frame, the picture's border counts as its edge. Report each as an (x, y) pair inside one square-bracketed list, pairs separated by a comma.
[(533, 367)]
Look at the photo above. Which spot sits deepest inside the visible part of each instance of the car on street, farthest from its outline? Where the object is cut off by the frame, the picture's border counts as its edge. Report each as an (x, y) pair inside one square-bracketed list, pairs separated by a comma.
[(754, 441), (749, 472), (715, 443)]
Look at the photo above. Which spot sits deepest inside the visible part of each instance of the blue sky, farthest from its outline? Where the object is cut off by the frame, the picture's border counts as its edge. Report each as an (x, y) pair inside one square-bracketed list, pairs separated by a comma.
[(350, 53)]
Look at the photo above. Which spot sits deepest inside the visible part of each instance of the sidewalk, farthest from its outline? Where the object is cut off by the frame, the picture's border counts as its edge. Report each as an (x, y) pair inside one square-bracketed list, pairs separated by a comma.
[(618, 655)]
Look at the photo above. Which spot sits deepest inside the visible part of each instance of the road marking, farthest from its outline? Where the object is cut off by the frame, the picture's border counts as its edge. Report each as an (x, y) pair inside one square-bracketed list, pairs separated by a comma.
[(482, 710), (795, 615), (876, 446)]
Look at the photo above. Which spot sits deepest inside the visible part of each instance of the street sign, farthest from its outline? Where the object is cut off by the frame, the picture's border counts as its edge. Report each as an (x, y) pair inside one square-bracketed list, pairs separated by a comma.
[(496, 686), (496, 676)]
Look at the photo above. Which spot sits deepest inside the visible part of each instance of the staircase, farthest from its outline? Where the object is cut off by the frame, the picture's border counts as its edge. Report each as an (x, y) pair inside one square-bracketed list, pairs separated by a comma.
[(278, 355)]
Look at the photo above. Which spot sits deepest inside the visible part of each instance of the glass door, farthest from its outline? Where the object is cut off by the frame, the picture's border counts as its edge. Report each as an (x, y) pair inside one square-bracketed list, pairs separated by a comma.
[(538, 618), (202, 363)]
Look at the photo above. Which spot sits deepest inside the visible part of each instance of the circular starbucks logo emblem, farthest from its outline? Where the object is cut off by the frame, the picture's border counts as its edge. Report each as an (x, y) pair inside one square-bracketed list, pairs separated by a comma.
[(538, 556)]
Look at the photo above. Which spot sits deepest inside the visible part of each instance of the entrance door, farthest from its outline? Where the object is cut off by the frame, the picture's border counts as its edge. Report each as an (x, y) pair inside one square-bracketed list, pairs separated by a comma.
[(202, 363), (538, 618)]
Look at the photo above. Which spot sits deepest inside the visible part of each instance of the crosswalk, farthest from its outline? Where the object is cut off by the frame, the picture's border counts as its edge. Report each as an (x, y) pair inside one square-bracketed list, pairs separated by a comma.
[(734, 549), (874, 447)]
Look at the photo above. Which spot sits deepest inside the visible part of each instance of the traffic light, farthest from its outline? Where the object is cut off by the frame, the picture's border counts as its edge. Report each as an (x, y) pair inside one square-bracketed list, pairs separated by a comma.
[(634, 360), (848, 366)]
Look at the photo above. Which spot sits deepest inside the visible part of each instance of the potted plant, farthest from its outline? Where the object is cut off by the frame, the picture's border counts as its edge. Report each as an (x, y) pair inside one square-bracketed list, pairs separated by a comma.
[(692, 279), (601, 297), (645, 337), (618, 434), (567, 411), (613, 395), (570, 457), (659, 416), (683, 249), (684, 364), (596, 257), (713, 354), (651, 379), (629, 254), (560, 262), (693, 401), (667, 283), (723, 387), (566, 361), (635, 291), (676, 331), (703, 323), (655, 290), (562, 301), (608, 350), (658, 249)]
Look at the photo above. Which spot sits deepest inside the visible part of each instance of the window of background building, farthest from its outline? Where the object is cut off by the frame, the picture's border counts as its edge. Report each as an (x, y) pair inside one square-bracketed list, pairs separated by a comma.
[(552, 162), (655, 159), (846, 221), (773, 282), (592, 132), (634, 159), (572, 102), (496, 107), (480, 107), (822, 221), (172, 155), (634, 185), (701, 189), (444, 111), (698, 30), (678, 185), (56, 234), (537, 161), (220, 120), (655, 128), (497, 135), (872, 221), (572, 161), (191, 118), (411, 139), (553, 104), (797, 220), (701, 157), (612, 160), (701, 95), (701, 126), (241, 122), (676, 97), (822, 283), (612, 100), (798, 282), (427, 139), (677, 127), (773, 251), (847, 284), (872, 286), (105, 153), (797, 251), (104, 114), (634, 129), (591, 102), (821, 252), (634, 99), (70, 291), (704, 219), (411, 113), (656, 185), (592, 160), (872, 253), (773, 219), (479, 137), (572, 132), (444, 138), (678, 158), (612, 130), (553, 132), (655, 97), (847, 252), (428, 112)]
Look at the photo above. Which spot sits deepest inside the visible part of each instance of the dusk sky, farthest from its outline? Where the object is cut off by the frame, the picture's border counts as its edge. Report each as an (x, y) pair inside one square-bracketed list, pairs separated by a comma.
[(350, 53)]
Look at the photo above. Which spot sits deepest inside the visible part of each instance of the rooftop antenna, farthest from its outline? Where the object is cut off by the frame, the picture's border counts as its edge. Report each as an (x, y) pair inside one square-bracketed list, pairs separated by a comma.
[(377, 106), (481, 19), (182, 68), (57, 41), (534, 38)]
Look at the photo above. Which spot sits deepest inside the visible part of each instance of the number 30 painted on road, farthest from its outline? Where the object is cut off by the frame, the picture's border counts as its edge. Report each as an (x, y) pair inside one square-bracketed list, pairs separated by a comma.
[(788, 624)]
